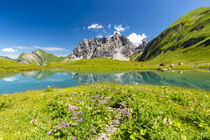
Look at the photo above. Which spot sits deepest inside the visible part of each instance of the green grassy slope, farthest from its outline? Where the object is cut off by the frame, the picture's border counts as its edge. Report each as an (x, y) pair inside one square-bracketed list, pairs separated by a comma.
[(187, 40), (9, 65), (143, 112), (40, 57), (5, 57)]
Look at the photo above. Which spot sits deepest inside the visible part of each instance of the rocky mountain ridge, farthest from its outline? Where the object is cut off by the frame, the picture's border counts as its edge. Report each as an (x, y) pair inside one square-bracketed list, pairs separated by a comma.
[(116, 47)]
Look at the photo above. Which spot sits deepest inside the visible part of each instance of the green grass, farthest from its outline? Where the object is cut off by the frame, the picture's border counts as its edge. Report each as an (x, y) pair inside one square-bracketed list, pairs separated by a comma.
[(99, 64), (186, 40), (144, 112), (12, 66)]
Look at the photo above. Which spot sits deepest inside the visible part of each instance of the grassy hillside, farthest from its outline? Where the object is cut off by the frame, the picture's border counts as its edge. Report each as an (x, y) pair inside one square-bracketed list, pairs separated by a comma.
[(11, 66), (134, 111), (5, 57), (187, 40), (39, 57)]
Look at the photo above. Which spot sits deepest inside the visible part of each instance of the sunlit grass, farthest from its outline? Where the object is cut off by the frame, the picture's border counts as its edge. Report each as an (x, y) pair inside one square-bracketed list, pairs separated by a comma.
[(142, 112)]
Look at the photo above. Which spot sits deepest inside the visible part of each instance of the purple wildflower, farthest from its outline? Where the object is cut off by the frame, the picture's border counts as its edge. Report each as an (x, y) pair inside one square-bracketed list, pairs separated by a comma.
[(63, 124), (74, 118), (80, 120), (67, 124), (73, 108), (72, 124), (105, 102), (117, 109), (79, 113), (127, 113), (92, 100), (57, 127), (73, 138), (78, 125), (49, 133), (116, 122), (94, 130)]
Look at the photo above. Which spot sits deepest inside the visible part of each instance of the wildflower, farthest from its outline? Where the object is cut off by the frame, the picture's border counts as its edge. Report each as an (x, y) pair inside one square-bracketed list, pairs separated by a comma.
[(79, 113), (117, 109), (92, 100), (73, 138), (49, 133), (80, 120), (105, 102), (127, 113), (74, 118), (168, 121), (63, 124), (94, 130), (108, 98), (78, 125), (116, 122), (67, 124), (57, 127), (73, 108), (72, 124)]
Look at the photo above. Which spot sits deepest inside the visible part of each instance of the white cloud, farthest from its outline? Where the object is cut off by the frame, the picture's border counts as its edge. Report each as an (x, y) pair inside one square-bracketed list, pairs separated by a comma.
[(49, 48), (136, 39), (109, 26), (9, 79), (9, 50), (23, 48), (99, 36), (120, 28), (95, 26)]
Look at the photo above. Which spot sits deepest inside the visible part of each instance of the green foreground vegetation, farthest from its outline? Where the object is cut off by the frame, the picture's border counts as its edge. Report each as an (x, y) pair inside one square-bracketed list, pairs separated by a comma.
[(135, 111)]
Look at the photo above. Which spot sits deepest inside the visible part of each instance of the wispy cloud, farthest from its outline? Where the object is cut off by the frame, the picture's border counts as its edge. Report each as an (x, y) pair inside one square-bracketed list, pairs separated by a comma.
[(136, 39), (23, 48), (50, 48), (9, 50), (120, 28), (99, 36), (109, 26), (95, 26)]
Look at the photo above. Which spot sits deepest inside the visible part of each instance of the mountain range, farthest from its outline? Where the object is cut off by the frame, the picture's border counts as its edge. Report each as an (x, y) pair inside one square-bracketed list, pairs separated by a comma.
[(188, 39)]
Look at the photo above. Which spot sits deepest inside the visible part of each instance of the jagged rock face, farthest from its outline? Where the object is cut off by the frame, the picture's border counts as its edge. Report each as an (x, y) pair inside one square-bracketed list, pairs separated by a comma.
[(141, 47), (117, 47), (28, 58)]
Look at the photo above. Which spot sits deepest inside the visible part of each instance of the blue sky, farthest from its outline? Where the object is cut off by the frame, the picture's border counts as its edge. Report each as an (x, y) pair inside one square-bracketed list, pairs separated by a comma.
[(57, 26)]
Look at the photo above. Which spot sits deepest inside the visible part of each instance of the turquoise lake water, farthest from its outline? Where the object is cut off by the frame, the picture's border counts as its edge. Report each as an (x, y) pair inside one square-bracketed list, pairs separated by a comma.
[(35, 80)]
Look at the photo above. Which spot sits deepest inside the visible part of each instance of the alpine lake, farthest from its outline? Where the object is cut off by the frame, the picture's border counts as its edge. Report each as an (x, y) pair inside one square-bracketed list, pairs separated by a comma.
[(39, 80)]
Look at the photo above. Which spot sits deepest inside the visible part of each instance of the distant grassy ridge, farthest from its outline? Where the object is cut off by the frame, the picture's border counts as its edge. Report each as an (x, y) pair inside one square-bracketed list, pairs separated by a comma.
[(137, 111), (12, 66)]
